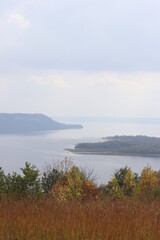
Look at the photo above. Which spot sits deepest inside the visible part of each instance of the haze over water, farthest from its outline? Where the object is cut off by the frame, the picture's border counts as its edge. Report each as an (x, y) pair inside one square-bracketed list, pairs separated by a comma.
[(49, 147)]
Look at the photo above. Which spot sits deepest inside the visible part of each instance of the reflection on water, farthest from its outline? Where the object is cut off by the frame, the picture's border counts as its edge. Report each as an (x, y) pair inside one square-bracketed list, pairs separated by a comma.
[(49, 147)]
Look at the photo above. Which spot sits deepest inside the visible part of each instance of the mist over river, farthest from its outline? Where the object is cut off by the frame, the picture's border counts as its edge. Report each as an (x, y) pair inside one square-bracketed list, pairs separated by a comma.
[(49, 147)]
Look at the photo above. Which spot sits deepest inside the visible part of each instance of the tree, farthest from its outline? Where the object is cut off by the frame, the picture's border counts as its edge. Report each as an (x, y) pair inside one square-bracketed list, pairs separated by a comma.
[(2, 183), (49, 178), (31, 180), (26, 185), (148, 180), (129, 183), (122, 184)]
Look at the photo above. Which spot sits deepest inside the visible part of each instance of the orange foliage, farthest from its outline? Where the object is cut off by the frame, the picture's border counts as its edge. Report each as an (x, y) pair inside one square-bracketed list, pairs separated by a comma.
[(74, 185)]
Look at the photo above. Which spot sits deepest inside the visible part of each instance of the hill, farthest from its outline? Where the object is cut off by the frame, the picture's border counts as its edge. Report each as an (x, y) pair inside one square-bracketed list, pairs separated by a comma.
[(11, 123)]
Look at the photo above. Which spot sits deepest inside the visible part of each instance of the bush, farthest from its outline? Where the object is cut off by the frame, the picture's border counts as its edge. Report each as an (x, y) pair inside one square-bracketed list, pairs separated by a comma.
[(74, 185), (52, 174)]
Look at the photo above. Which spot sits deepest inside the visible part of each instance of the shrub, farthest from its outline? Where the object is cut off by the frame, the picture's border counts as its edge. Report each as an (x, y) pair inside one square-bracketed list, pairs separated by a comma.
[(74, 185), (52, 174)]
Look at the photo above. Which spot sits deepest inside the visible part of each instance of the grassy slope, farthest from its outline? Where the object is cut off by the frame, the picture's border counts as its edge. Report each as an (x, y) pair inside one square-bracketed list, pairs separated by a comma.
[(103, 220)]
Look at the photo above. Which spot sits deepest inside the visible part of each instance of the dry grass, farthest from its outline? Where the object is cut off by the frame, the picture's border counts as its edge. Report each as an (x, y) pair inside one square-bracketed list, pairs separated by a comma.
[(103, 220)]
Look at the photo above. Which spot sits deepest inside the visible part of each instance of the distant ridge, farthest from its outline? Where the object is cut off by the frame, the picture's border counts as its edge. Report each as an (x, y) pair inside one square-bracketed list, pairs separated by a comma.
[(15, 123)]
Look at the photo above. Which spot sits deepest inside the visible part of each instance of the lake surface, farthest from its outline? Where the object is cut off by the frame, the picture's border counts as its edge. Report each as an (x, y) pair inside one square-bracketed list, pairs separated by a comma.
[(49, 147)]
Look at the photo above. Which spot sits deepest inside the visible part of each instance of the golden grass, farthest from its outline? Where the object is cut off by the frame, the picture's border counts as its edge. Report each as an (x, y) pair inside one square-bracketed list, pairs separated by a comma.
[(102, 220)]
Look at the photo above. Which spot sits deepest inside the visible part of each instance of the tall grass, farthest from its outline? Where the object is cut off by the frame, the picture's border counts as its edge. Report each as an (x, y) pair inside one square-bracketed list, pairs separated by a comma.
[(92, 220)]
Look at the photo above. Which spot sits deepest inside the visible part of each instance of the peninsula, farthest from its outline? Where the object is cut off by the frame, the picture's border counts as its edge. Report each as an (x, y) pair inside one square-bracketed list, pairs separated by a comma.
[(21, 123), (121, 145)]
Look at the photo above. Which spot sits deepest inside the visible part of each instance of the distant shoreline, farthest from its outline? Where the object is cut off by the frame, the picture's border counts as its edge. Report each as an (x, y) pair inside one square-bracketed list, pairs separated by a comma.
[(111, 153), (23, 123), (139, 145)]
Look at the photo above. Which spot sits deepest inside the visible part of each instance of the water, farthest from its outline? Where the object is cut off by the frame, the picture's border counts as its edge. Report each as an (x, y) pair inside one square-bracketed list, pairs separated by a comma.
[(49, 147)]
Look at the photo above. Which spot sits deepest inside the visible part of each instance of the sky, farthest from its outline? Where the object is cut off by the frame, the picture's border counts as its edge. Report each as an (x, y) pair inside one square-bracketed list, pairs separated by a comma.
[(80, 58)]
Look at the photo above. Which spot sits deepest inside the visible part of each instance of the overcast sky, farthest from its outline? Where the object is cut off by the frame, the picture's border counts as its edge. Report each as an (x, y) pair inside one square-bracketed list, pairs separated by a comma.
[(80, 57)]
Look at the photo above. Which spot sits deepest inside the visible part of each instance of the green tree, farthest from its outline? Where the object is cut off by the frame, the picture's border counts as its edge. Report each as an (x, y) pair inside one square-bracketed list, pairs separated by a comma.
[(30, 180), (2, 183), (25, 185), (14, 185), (49, 178), (122, 184)]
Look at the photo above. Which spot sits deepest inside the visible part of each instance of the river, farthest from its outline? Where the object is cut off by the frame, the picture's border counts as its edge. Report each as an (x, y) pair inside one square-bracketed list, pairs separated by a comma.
[(49, 147)]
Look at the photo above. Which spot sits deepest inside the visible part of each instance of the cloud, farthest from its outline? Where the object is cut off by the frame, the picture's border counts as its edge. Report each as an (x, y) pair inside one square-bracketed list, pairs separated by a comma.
[(84, 35), (12, 31), (49, 80), (78, 93), (101, 79), (19, 20), (84, 57)]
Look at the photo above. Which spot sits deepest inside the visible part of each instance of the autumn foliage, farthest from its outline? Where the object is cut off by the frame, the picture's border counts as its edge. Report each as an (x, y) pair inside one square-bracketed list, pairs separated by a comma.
[(74, 185), (65, 204)]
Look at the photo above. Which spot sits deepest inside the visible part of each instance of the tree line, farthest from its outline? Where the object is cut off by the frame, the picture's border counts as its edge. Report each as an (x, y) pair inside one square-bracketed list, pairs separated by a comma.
[(65, 181)]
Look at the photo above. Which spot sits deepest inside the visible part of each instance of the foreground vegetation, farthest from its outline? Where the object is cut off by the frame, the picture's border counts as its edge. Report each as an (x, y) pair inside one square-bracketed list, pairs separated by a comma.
[(103, 220), (64, 203)]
